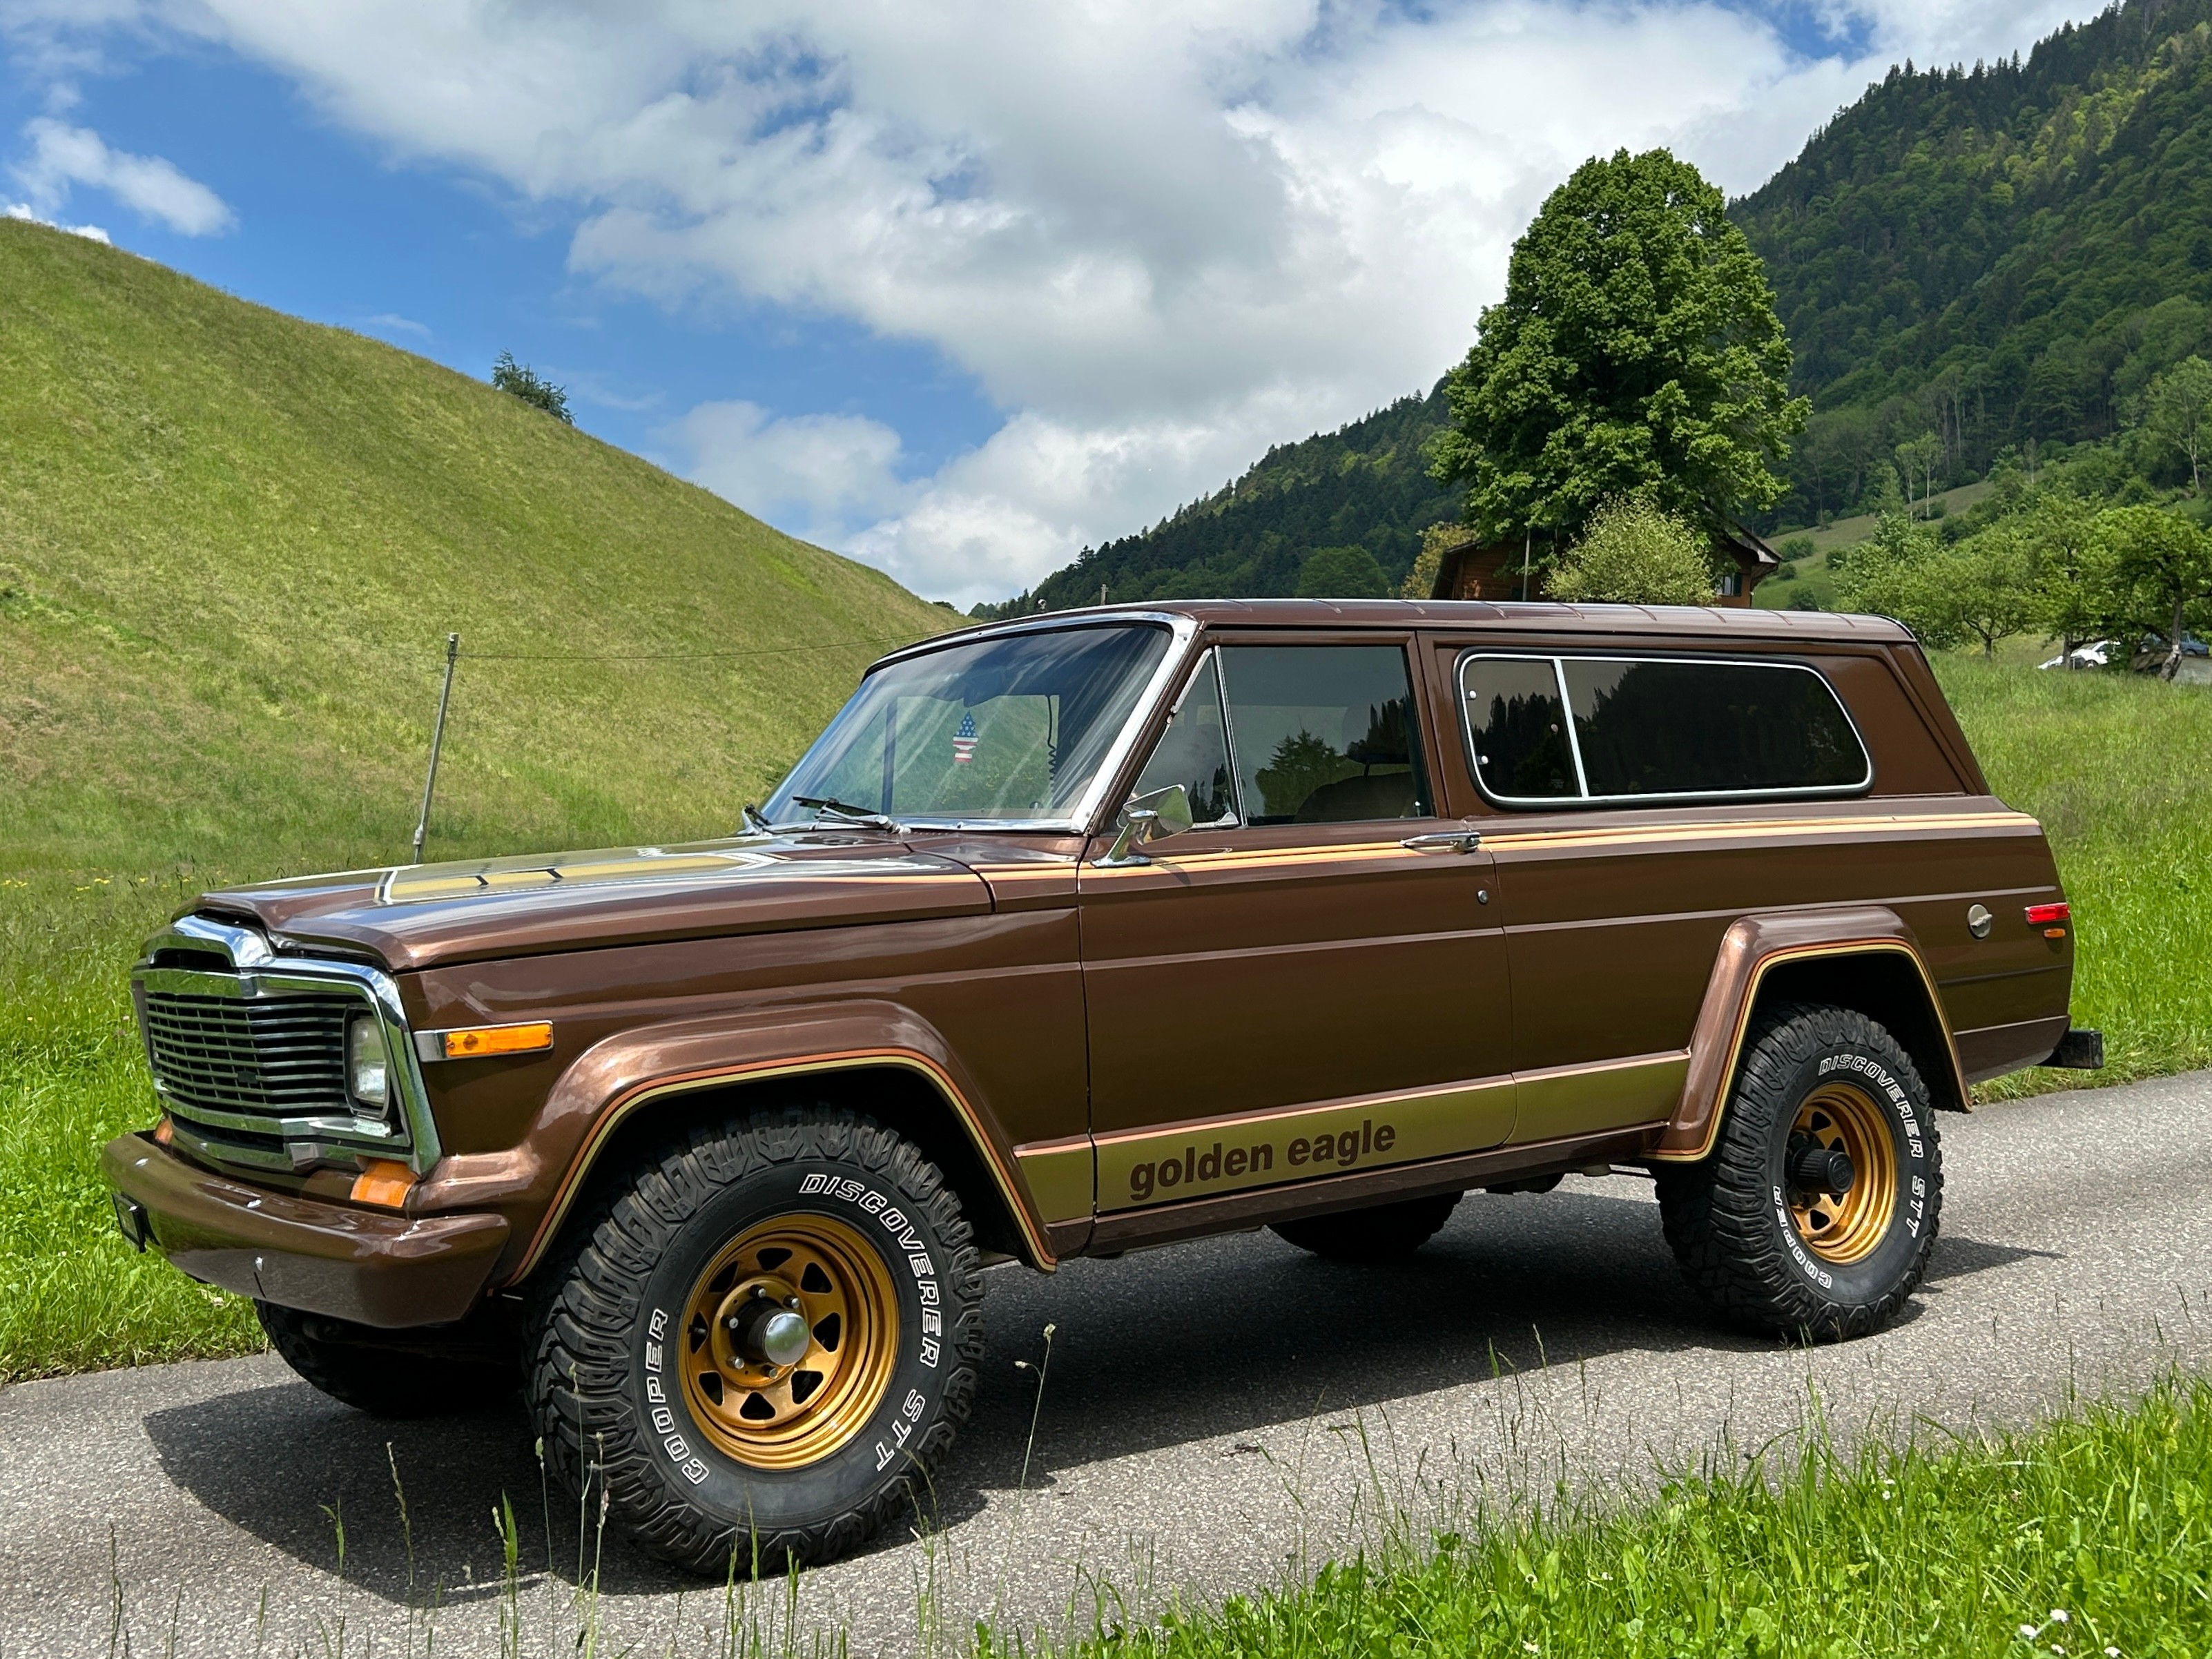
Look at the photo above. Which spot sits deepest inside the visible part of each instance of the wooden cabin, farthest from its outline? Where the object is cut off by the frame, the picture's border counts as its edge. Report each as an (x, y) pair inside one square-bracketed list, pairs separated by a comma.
[(1493, 570)]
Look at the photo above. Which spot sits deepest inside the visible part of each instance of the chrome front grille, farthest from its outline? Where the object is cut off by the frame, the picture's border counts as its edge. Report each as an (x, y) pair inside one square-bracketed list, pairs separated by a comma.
[(249, 1059), (276, 1057)]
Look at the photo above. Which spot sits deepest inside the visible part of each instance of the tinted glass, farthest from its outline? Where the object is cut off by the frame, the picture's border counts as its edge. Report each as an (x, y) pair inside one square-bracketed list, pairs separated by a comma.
[(1324, 733), (1518, 726), (1193, 751), (1669, 728), (1003, 729)]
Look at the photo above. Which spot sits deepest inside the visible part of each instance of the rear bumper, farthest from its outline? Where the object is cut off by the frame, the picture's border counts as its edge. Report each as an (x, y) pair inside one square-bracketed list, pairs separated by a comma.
[(373, 1266)]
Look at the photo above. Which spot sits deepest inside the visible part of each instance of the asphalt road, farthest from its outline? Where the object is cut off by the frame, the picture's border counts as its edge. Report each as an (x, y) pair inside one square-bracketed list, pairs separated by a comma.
[(1214, 1417)]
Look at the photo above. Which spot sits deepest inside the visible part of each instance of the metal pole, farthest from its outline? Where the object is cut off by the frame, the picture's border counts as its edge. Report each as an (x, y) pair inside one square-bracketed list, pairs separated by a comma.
[(437, 741)]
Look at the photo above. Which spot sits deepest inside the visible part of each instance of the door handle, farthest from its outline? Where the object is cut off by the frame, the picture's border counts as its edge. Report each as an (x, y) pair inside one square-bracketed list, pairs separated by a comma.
[(1446, 841)]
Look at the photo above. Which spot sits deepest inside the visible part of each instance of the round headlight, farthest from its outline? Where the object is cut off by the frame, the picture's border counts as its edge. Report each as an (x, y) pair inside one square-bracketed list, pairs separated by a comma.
[(368, 1066)]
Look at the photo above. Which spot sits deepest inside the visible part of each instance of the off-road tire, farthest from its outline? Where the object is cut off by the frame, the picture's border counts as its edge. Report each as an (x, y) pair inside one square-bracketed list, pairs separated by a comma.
[(1381, 1232), (1728, 1215), (387, 1374), (605, 1382)]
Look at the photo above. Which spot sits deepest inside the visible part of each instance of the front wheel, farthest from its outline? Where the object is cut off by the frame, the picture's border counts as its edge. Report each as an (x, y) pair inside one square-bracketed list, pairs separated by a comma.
[(763, 1342), (1815, 1211)]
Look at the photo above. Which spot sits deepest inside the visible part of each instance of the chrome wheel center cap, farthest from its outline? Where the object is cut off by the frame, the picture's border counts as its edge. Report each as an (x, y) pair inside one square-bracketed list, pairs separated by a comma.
[(782, 1338)]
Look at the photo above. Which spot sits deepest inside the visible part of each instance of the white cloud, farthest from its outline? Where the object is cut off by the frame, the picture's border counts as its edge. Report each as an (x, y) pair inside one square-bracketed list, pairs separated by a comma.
[(810, 474), (62, 156), (390, 322), (1158, 236), (22, 211)]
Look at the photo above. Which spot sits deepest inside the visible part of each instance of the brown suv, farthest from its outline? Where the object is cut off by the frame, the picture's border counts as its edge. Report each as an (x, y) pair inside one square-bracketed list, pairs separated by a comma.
[(1087, 931)]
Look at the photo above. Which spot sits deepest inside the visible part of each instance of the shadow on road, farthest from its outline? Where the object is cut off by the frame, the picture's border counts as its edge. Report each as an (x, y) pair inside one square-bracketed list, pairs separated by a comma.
[(1217, 1340)]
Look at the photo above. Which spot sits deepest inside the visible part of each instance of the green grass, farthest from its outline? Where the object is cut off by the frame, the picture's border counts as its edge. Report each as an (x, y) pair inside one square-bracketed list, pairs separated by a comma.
[(2118, 769), (2090, 1535)]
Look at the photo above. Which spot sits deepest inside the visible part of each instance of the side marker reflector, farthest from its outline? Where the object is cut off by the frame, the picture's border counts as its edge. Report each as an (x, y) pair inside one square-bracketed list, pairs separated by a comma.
[(479, 1040), (383, 1180)]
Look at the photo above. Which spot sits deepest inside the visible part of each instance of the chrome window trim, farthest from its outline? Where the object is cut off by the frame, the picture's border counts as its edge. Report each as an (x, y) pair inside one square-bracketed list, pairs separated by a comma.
[(260, 971), (1559, 660), (1182, 630)]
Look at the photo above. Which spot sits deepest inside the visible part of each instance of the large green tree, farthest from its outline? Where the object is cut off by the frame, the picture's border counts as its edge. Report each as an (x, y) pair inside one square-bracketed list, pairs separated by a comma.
[(1636, 353)]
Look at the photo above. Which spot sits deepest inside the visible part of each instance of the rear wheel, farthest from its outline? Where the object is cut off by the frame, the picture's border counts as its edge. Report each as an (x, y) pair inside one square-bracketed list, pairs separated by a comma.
[(393, 1374), (762, 1341), (1381, 1232), (1817, 1207)]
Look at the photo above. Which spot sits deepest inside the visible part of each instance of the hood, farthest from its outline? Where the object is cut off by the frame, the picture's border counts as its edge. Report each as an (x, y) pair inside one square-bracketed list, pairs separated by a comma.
[(425, 916)]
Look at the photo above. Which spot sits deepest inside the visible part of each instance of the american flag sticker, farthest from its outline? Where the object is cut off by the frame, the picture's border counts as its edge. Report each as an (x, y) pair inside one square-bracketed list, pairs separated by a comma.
[(963, 741)]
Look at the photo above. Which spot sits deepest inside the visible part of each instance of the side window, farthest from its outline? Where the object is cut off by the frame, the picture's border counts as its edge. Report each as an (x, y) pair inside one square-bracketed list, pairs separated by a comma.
[(1193, 751), (1620, 729), (1323, 733), (1517, 722), (1709, 728)]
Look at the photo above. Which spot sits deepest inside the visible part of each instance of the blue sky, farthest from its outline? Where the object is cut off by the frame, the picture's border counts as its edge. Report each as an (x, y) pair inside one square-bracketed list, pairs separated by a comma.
[(956, 290)]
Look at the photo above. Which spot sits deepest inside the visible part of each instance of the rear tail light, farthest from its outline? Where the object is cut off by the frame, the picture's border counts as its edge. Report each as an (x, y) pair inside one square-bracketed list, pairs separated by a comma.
[(2047, 915)]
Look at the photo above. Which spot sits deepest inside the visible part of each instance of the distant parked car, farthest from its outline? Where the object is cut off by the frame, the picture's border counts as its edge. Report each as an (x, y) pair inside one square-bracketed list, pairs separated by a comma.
[(2091, 655)]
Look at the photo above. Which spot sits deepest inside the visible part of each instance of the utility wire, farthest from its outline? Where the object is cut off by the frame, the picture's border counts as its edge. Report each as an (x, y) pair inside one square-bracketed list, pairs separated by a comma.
[(679, 656)]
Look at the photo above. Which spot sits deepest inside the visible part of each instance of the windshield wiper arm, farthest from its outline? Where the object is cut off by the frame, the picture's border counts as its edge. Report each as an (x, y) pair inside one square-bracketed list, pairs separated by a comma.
[(757, 820), (851, 814)]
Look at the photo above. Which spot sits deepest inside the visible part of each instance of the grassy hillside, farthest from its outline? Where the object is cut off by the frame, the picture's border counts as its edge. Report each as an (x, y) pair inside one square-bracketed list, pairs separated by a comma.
[(231, 545)]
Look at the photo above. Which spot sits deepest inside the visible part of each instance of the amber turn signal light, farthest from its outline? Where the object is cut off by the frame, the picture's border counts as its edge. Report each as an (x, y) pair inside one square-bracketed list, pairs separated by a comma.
[(382, 1181), (482, 1039)]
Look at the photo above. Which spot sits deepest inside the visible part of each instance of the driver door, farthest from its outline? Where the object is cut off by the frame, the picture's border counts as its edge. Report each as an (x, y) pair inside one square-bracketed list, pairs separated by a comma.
[(1312, 979)]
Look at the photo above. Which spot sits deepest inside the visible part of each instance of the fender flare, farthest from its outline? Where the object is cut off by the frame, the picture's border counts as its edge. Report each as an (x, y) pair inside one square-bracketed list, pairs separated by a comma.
[(1753, 947), (623, 1074)]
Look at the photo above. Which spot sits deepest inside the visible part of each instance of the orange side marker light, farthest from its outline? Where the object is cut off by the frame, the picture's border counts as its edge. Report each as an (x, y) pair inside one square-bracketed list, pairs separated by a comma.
[(383, 1180), (165, 1133), (480, 1041)]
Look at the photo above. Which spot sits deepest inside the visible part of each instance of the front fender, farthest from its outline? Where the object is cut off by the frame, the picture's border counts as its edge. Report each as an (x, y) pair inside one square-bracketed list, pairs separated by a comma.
[(1751, 950), (627, 1072)]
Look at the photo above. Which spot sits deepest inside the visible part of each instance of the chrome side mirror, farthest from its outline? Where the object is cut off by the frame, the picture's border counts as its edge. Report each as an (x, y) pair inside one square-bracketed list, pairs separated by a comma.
[(1147, 817)]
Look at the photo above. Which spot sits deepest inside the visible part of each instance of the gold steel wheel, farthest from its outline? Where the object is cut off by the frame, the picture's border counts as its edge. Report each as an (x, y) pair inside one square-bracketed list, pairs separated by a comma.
[(790, 1336), (1839, 1120)]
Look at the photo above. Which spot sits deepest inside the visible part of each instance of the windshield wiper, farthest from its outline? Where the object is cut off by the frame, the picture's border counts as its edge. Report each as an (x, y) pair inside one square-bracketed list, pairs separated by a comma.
[(851, 814), (757, 820)]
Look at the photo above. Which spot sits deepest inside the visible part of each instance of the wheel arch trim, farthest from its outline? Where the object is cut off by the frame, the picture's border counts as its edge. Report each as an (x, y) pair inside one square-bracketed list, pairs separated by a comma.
[(1753, 948), (623, 1107)]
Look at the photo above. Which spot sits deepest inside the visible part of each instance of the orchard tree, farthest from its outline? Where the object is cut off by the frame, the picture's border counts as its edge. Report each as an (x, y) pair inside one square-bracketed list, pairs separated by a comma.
[(1636, 352), (1984, 587), (1633, 551), (2069, 560), (2159, 577)]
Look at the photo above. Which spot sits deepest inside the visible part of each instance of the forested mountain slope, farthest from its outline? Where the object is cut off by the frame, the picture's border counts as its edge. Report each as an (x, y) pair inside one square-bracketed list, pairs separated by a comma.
[(1365, 485), (2000, 256), (1997, 255)]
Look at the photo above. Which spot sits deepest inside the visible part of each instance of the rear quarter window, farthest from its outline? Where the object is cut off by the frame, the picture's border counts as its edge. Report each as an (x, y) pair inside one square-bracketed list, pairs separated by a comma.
[(1552, 730)]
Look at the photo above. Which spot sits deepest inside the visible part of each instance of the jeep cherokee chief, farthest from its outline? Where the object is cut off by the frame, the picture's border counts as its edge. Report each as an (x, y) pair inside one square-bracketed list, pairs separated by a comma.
[(1092, 930)]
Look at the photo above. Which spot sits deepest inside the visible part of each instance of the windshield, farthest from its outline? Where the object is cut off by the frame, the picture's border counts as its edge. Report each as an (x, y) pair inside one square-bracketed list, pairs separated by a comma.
[(1004, 731)]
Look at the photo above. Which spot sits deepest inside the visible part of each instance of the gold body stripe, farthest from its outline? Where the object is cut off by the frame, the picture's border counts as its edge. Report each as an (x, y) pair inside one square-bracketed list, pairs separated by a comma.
[(1163, 860)]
